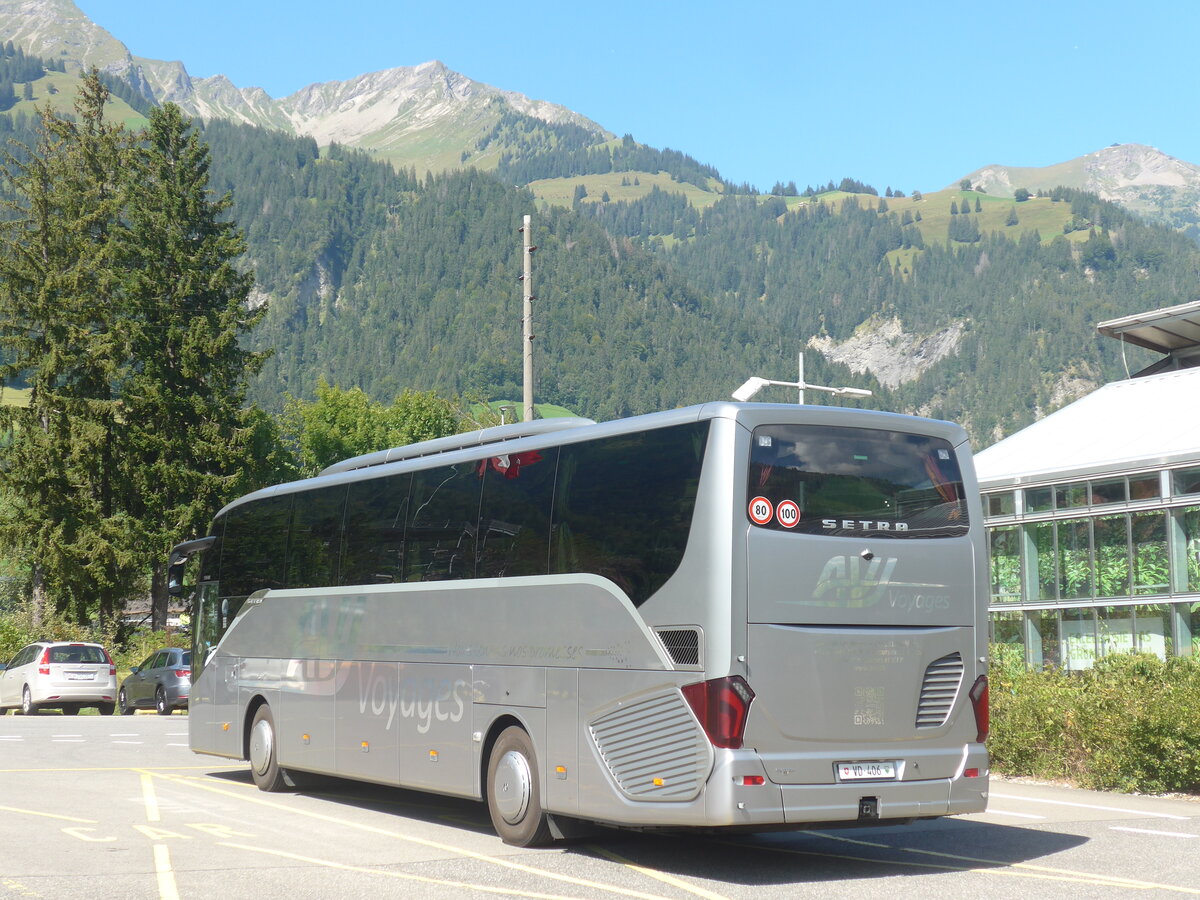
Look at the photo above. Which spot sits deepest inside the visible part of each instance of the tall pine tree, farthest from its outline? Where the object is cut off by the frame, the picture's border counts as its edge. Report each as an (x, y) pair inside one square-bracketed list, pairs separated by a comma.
[(188, 313), (122, 309)]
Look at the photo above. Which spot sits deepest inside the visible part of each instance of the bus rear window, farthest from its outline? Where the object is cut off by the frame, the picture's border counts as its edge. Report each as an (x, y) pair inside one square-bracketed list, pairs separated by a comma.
[(821, 479)]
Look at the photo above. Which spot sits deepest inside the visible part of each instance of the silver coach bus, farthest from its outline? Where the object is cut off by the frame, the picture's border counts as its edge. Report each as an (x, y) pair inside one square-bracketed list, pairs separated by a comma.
[(728, 616)]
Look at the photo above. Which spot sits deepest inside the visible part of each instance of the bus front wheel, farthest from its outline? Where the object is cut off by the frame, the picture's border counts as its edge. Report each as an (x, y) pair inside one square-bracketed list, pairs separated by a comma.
[(264, 766), (514, 798)]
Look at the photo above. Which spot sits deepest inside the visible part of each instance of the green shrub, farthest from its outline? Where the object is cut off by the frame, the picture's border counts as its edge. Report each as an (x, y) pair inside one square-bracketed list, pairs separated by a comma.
[(17, 629), (1130, 723)]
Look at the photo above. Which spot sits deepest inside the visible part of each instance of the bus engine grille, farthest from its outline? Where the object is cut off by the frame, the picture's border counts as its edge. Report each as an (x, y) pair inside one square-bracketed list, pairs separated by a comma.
[(938, 690), (654, 748)]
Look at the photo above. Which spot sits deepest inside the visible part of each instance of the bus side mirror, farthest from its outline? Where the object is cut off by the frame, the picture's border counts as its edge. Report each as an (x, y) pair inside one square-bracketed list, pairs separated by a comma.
[(175, 578), (180, 554)]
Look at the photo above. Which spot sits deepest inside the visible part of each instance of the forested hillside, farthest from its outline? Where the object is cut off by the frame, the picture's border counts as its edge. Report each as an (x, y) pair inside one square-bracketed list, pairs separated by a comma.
[(389, 281)]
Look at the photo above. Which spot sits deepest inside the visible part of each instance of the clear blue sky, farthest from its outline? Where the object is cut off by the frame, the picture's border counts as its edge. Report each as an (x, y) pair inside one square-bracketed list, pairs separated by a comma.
[(907, 95)]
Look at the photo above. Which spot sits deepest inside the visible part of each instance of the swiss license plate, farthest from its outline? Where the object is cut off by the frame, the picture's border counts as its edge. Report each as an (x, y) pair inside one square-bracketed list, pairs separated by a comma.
[(866, 771), (79, 676)]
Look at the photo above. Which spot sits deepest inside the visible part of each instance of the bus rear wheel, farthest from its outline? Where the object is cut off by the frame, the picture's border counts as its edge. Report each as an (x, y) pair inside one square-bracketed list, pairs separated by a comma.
[(264, 766), (513, 795)]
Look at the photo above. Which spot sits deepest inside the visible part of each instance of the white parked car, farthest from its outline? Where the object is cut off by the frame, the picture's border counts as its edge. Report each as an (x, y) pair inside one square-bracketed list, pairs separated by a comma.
[(65, 675)]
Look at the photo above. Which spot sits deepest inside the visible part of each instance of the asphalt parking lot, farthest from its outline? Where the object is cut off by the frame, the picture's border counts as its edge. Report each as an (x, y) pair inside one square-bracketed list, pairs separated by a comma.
[(95, 806)]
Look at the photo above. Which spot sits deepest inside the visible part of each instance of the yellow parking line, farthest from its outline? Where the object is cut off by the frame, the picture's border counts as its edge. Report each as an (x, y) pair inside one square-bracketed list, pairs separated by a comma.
[(346, 867), (34, 812), (150, 799), (661, 876), (166, 875), (435, 845)]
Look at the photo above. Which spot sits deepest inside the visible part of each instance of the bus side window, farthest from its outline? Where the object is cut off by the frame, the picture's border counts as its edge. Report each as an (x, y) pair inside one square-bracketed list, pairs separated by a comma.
[(255, 546), (316, 538), (374, 533), (439, 540), (514, 516), (623, 506)]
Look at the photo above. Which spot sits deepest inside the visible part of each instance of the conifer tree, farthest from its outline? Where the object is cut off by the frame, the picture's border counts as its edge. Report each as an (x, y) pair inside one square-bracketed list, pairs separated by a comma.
[(188, 315), (61, 326), (122, 309)]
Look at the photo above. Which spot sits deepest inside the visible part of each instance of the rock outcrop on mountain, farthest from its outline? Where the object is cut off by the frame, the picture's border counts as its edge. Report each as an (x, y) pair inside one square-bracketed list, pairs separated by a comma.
[(1140, 178)]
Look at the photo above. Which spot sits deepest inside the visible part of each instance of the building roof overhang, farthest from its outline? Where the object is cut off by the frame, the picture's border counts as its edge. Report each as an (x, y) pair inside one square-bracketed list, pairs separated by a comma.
[(1163, 330)]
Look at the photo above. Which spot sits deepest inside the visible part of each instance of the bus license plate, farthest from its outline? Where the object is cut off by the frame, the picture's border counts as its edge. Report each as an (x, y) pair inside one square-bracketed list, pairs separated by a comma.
[(866, 771)]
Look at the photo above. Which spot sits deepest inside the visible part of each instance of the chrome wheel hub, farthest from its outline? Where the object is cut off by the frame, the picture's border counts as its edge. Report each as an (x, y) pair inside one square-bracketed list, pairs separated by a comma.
[(513, 786)]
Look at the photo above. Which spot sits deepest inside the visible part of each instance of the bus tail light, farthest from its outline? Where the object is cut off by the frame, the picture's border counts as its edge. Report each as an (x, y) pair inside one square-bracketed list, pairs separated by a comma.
[(979, 703), (721, 706)]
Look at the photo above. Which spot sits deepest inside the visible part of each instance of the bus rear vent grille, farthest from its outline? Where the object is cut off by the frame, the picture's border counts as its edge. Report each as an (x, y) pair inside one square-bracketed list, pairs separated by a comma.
[(654, 748), (942, 680), (682, 645)]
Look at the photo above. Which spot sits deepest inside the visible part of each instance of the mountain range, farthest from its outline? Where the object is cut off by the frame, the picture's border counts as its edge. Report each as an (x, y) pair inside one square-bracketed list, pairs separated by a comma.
[(385, 250), (428, 117)]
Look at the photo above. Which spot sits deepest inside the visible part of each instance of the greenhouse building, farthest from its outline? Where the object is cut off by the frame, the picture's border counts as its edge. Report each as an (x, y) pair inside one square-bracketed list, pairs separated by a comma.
[(1093, 513)]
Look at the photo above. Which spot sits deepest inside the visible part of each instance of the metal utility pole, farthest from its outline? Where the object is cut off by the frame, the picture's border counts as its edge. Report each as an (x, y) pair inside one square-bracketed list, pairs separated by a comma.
[(527, 319)]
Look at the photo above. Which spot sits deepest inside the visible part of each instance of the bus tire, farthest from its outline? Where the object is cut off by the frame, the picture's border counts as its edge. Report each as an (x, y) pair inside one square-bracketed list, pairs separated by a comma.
[(264, 765), (514, 797)]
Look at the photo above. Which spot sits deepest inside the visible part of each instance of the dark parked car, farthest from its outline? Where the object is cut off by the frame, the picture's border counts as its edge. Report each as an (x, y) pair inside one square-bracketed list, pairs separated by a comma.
[(163, 681)]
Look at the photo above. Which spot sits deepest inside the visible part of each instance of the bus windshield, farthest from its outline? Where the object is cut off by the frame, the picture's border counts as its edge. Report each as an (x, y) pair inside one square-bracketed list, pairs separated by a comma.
[(833, 480)]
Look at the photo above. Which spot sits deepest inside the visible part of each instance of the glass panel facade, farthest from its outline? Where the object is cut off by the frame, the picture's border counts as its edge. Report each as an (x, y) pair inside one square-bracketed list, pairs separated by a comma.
[(1150, 572), (1079, 639), (1006, 628), (1005, 563), (1068, 496), (1191, 620), (1147, 487), (1152, 629), (1112, 556), (1001, 504), (1186, 481), (1045, 647), (1039, 499), (1114, 629), (1110, 490), (1189, 531), (1075, 559), (1045, 559)]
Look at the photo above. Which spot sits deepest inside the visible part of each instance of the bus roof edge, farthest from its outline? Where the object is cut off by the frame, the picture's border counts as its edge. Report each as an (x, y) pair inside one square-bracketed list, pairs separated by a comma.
[(478, 438)]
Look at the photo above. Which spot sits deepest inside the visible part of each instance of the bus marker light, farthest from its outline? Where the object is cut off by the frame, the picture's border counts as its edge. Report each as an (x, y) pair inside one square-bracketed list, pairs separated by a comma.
[(753, 780), (658, 782), (970, 773), (366, 746), (433, 756), (561, 772), (305, 738), (224, 726)]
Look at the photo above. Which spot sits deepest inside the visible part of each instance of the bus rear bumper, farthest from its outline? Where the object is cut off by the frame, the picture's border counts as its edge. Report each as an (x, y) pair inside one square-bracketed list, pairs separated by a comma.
[(860, 802)]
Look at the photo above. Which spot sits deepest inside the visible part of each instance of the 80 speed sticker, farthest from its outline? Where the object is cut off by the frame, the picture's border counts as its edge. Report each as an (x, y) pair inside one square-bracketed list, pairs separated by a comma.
[(761, 511)]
